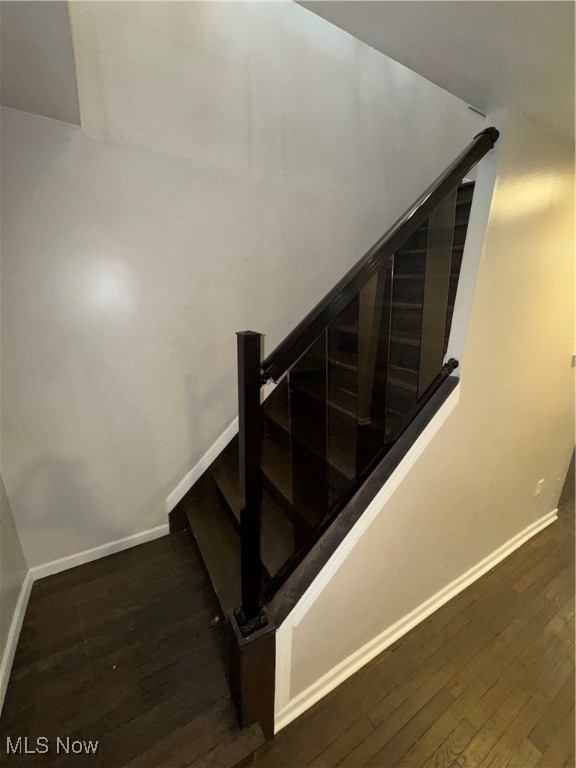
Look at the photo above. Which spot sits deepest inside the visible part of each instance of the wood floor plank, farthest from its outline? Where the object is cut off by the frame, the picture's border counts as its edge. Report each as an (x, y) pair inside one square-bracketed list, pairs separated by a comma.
[(397, 747), (440, 668), (513, 748), (231, 750), (444, 756), (488, 735), (435, 623), (560, 751), (304, 740), (442, 732), (132, 659), (369, 687), (553, 716), (135, 659), (178, 748), (535, 573), (344, 744), (503, 648)]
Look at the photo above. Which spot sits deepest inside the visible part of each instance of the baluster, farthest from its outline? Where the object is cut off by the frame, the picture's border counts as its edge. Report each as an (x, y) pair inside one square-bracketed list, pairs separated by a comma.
[(250, 450)]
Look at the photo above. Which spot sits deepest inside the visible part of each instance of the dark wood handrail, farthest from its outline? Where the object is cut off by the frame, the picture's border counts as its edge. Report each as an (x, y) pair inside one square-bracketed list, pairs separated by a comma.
[(327, 310)]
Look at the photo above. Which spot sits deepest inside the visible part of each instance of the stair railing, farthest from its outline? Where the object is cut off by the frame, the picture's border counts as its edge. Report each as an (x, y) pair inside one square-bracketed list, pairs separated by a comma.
[(253, 372)]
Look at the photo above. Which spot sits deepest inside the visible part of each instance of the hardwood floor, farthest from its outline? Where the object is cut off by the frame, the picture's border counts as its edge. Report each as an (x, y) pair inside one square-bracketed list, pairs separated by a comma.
[(486, 682), (124, 650)]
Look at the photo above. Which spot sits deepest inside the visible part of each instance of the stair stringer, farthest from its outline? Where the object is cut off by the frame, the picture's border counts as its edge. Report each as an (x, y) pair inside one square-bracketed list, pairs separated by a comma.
[(301, 591)]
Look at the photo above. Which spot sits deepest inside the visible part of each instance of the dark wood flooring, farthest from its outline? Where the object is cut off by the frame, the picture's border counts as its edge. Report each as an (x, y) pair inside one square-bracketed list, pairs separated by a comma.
[(485, 682), (124, 650)]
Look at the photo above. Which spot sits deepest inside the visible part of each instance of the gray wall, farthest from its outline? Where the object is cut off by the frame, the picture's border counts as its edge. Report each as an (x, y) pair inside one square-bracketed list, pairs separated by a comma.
[(259, 153), (37, 61)]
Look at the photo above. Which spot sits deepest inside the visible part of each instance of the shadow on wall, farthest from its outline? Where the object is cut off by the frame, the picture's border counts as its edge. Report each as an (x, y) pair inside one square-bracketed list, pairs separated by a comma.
[(568, 490), (56, 494), (216, 406)]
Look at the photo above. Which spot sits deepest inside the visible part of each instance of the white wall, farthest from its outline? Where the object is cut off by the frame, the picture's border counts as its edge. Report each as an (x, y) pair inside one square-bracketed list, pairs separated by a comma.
[(235, 160), (472, 489)]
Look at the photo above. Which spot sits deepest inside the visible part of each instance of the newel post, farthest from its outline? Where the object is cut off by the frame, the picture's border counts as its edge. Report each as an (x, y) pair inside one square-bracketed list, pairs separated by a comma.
[(250, 449)]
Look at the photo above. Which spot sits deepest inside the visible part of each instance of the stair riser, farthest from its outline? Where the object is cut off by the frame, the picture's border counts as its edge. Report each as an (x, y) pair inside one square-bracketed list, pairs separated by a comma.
[(277, 433), (401, 399), (342, 427), (408, 291), (344, 341), (406, 320), (277, 495), (417, 240), (415, 264), (405, 355), (348, 316), (344, 378)]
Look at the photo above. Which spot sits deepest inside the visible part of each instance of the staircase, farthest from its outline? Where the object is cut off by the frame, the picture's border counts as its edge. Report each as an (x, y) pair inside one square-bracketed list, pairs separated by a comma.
[(350, 380)]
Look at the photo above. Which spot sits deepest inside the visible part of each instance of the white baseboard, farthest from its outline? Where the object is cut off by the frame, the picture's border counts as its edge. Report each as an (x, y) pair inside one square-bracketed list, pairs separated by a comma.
[(211, 454), (95, 553), (362, 656), (71, 561), (284, 634), (56, 566), (198, 469), (13, 635)]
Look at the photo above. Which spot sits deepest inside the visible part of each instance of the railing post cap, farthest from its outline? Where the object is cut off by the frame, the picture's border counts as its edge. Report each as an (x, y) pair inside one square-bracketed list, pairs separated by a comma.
[(491, 132)]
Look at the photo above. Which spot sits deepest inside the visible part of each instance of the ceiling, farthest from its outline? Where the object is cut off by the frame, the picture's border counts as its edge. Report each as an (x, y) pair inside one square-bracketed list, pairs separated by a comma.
[(490, 54), (37, 60)]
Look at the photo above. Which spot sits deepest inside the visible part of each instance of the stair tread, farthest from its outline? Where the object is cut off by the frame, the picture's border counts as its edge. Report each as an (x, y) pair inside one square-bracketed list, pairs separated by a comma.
[(403, 376), (276, 534), (278, 469), (420, 251), (276, 411), (460, 222), (407, 305), (405, 338), (219, 545), (398, 376), (408, 276), (347, 328), (340, 399), (415, 305), (344, 360), (395, 412), (341, 454)]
